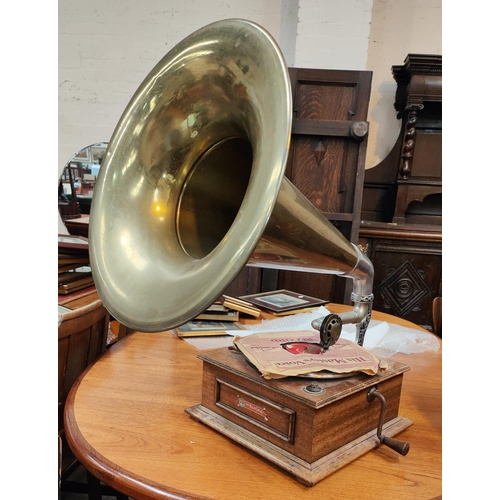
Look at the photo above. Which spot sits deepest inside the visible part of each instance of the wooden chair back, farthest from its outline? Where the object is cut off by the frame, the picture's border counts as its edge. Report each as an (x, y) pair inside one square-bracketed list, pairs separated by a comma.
[(82, 339), (83, 335)]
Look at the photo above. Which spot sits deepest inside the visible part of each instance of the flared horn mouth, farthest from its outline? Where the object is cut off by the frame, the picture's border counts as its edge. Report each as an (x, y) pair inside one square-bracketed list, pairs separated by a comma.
[(191, 176)]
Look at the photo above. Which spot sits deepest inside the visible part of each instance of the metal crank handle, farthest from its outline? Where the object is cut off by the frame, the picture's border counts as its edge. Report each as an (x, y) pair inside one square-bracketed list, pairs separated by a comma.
[(402, 447)]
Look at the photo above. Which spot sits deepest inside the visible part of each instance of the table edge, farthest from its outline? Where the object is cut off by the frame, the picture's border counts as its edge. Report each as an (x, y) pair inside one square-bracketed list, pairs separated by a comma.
[(115, 476)]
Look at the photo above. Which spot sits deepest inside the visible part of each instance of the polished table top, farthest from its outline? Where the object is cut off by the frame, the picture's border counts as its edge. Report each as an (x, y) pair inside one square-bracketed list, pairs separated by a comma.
[(125, 421)]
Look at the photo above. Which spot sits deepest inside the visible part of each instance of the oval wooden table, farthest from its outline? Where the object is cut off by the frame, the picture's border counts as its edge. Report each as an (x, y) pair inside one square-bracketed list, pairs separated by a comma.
[(125, 421)]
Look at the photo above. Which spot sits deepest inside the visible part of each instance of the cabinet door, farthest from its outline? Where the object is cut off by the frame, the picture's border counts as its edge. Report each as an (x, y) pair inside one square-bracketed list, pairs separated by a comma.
[(326, 160), (326, 163)]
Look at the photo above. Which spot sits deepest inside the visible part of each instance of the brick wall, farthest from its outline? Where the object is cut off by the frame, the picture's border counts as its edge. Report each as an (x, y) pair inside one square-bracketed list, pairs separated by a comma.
[(107, 48), (333, 34)]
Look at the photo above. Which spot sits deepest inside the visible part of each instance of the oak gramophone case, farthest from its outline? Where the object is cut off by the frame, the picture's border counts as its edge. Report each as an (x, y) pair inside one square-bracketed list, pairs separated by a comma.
[(309, 427)]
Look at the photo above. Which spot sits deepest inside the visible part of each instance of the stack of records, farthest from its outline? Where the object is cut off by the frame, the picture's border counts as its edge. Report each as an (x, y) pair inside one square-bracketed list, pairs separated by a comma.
[(299, 353)]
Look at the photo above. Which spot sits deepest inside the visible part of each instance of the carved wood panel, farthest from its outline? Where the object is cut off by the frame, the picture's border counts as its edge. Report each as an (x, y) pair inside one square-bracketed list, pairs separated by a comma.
[(407, 277), (324, 186)]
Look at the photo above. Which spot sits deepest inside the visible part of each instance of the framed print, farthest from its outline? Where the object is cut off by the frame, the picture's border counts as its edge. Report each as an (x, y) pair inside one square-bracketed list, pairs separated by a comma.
[(218, 312), (82, 155), (283, 300)]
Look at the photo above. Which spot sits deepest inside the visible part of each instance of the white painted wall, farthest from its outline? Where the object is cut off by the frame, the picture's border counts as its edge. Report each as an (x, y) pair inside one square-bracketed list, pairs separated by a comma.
[(107, 47)]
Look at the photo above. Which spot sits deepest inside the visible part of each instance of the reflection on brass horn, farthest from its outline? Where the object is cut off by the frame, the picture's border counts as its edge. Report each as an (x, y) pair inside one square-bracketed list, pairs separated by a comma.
[(191, 188)]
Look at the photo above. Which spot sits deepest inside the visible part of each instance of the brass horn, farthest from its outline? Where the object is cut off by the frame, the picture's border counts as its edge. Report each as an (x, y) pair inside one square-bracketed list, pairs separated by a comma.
[(191, 188)]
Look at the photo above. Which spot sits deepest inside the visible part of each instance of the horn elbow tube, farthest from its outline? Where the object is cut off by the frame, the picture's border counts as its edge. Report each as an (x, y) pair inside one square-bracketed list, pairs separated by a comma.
[(362, 274), (362, 297)]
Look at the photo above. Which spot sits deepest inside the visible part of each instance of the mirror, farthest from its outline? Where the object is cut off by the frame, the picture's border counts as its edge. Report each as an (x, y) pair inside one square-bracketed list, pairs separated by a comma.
[(77, 181)]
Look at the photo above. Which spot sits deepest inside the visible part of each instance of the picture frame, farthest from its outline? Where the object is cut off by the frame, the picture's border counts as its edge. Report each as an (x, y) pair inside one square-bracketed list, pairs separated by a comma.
[(82, 155), (70, 244), (218, 312), (205, 328), (279, 301), (97, 152)]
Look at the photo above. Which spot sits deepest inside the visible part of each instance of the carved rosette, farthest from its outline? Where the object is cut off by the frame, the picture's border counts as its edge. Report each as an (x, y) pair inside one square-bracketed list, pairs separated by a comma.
[(404, 289)]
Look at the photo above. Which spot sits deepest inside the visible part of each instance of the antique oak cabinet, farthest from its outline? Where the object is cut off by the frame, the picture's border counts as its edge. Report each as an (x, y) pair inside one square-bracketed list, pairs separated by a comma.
[(401, 209)]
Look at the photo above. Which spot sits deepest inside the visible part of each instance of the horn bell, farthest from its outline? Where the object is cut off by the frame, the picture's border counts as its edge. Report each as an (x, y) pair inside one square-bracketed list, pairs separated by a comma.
[(190, 176)]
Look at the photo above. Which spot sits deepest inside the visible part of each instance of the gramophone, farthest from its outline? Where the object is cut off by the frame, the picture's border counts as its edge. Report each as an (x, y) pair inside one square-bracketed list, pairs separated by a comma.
[(191, 189)]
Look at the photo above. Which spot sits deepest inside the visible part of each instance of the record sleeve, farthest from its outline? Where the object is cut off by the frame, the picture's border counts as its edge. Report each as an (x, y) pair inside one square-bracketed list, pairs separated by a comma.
[(299, 353)]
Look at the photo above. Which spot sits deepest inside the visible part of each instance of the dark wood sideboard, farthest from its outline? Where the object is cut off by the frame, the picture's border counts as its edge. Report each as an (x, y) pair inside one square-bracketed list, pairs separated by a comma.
[(401, 226)]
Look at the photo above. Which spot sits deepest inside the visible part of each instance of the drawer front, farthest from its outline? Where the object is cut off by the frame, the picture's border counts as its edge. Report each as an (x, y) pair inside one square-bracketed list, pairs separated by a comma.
[(255, 410)]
